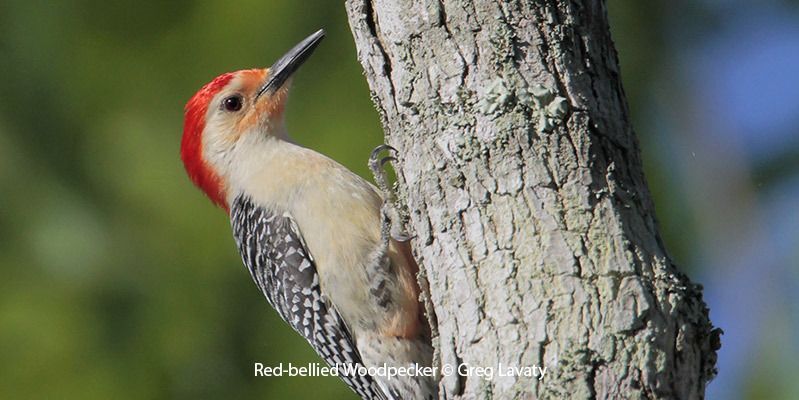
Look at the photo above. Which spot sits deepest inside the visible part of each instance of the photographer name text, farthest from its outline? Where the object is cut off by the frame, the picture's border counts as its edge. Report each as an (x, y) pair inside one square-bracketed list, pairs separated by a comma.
[(391, 371)]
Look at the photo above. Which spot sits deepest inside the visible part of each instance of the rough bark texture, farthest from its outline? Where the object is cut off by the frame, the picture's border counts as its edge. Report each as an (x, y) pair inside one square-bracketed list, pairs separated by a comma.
[(532, 218)]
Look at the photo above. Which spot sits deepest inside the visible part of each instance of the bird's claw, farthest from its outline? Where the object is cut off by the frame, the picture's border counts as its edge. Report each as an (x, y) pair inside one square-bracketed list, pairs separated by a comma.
[(391, 224), (376, 164), (380, 149), (386, 159), (402, 237)]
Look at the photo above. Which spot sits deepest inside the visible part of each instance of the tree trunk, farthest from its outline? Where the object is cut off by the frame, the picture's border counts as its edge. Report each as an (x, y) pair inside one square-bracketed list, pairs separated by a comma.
[(530, 213)]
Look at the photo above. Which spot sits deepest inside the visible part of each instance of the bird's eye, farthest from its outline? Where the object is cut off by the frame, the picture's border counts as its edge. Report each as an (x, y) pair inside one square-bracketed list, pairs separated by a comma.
[(232, 103)]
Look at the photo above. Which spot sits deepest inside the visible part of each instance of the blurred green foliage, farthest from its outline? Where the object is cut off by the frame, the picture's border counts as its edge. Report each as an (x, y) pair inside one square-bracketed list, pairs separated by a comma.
[(120, 280)]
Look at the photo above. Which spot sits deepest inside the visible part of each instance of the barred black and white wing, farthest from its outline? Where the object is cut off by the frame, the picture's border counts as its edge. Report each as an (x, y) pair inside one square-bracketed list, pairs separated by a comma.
[(274, 251)]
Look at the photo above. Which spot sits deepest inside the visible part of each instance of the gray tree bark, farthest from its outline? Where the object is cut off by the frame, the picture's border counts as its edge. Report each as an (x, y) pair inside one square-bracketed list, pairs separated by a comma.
[(532, 219)]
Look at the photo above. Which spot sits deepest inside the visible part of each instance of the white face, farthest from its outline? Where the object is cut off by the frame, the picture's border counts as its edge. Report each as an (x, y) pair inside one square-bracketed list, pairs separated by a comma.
[(237, 124)]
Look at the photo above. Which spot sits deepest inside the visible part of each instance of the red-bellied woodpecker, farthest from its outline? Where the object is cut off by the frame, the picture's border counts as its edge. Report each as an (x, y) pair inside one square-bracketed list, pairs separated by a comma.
[(310, 231)]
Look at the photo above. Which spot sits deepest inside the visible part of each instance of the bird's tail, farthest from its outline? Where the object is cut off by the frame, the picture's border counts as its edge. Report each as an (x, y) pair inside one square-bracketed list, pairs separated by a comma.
[(404, 365)]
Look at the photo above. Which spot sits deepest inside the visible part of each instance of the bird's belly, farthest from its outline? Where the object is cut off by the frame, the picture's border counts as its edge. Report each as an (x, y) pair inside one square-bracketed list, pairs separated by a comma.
[(343, 249)]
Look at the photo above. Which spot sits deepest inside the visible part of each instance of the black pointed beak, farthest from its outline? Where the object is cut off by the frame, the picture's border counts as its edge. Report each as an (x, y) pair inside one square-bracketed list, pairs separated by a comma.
[(283, 68)]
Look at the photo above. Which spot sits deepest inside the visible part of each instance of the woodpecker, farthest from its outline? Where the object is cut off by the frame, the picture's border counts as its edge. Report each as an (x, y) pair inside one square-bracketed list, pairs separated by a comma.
[(311, 233)]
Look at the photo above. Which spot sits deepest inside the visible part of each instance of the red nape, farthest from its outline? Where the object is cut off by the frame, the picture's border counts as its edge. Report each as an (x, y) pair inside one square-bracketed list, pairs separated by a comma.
[(191, 147)]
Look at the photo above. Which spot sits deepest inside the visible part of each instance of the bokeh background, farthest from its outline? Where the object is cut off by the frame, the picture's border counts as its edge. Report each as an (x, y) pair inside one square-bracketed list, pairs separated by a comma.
[(119, 280)]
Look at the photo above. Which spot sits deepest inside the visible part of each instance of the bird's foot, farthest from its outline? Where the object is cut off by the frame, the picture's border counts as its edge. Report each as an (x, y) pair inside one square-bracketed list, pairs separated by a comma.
[(376, 164), (391, 221)]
